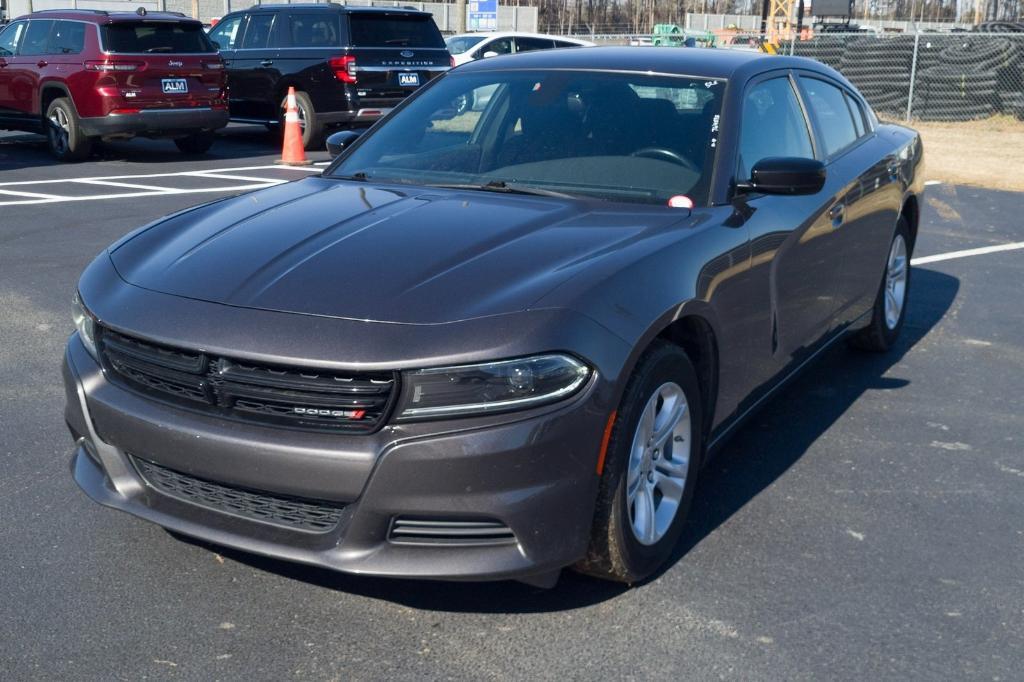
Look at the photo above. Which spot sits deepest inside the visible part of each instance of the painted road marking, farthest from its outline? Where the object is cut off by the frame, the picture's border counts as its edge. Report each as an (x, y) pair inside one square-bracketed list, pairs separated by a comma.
[(306, 169), (28, 194), (967, 252), (929, 183), (128, 185), (21, 196)]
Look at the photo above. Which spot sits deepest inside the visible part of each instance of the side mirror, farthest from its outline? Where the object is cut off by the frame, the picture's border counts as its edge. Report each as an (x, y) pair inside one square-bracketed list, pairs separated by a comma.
[(216, 45), (490, 53), (342, 140), (785, 175)]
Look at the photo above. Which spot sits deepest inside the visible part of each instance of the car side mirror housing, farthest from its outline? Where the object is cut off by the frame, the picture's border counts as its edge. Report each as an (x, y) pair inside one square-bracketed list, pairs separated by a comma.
[(216, 45), (490, 53), (785, 175), (342, 140)]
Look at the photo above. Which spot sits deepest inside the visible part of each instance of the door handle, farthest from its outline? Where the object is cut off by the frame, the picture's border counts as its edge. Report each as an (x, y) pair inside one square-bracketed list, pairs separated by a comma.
[(267, 62), (835, 214), (227, 62), (41, 63)]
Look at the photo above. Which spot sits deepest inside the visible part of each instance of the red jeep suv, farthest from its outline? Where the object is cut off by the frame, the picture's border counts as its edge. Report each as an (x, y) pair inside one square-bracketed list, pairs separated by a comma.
[(79, 75)]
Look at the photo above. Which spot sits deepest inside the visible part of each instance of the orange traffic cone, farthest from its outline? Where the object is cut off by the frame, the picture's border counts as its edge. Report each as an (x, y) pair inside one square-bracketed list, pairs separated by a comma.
[(292, 154)]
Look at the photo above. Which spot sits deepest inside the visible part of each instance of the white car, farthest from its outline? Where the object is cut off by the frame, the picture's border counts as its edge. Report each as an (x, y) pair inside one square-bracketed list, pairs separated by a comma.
[(469, 46)]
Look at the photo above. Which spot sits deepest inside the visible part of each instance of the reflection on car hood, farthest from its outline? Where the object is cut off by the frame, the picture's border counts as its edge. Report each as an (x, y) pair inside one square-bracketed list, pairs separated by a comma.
[(360, 251)]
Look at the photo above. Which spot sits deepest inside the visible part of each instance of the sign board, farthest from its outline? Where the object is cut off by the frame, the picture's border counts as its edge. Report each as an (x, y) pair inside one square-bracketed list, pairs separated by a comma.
[(482, 15), (831, 8)]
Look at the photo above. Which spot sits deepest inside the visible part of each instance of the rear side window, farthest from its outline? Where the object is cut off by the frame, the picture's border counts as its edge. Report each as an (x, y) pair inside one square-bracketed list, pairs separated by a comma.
[(37, 37), (529, 44), (382, 30), (67, 37), (257, 33), (828, 106), (772, 125), (859, 122), (10, 37), (140, 37), (316, 30)]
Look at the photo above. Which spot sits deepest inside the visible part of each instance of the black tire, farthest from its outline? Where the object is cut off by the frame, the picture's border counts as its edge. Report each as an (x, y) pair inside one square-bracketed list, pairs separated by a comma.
[(196, 143), (64, 134), (313, 131), (879, 336), (615, 552)]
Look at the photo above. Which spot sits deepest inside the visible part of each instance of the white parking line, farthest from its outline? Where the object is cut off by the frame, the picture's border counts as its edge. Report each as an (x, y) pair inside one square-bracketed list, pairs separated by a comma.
[(967, 252), (306, 169), (129, 185), (28, 194), (248, 182)]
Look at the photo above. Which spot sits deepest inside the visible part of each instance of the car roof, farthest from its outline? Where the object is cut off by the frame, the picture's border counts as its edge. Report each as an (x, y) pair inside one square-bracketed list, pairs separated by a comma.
[(335, 7), (98, 16), (701, 62), (519, 34)]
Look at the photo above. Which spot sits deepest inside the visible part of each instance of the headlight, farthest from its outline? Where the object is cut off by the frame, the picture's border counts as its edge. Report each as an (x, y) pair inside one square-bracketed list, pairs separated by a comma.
[(85, 323), (491, 387)]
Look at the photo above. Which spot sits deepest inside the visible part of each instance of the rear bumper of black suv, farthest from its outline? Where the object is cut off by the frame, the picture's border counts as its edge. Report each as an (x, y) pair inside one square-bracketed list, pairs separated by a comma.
[(156, 122)]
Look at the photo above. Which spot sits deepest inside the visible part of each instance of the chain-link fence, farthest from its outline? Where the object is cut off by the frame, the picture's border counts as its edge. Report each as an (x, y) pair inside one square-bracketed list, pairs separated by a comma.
[(928, 77), (921, 77)]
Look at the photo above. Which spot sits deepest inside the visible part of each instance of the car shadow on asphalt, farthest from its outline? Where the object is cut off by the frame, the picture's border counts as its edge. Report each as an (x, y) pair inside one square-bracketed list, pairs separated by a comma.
[(792, 421)]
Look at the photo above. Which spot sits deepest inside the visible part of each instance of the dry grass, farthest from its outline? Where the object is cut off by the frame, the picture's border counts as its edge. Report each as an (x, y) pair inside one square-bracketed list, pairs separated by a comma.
[(988, 153)]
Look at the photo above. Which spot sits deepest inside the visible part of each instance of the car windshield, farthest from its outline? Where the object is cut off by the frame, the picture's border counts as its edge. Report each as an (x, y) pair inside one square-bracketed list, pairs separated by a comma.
[(156, 36), (614, 136), (460, 44)]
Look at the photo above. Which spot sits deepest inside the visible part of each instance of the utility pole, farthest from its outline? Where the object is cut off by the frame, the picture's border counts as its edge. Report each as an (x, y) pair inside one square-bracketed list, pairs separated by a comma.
[(460, 16)]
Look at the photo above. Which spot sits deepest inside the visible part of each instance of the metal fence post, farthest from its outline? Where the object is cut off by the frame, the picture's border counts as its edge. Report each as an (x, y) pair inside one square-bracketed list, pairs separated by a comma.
[(792, 45), (913, 73)]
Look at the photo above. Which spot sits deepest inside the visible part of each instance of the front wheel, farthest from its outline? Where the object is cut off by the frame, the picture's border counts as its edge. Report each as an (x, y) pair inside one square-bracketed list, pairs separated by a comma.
[(63, 132), (650, 469), (890, 307)]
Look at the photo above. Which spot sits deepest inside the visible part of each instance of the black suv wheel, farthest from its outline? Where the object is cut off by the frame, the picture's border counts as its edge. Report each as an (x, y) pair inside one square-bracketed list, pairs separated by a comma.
[(63, 132)]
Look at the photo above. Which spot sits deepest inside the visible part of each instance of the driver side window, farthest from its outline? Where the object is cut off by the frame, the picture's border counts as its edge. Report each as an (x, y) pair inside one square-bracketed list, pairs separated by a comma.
[(9, 38), (226, 33), (772, 125)]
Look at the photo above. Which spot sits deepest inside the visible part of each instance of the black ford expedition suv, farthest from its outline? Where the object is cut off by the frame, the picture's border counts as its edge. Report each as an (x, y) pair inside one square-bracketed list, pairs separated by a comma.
[(349, 65)]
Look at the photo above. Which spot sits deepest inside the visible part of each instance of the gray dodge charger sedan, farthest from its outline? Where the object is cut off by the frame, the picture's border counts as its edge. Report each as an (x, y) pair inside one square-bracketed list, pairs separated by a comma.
[(498, 340)]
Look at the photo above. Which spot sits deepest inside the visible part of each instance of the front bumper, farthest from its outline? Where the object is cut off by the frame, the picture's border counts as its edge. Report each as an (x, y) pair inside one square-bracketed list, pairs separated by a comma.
[(534, 473), (156, 122)]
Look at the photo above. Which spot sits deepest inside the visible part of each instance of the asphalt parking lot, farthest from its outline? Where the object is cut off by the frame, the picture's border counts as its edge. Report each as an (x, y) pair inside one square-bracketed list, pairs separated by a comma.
[(868, 524)]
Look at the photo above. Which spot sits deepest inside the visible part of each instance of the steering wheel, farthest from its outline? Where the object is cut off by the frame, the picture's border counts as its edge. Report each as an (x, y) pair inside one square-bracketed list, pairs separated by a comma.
[(667, 155)]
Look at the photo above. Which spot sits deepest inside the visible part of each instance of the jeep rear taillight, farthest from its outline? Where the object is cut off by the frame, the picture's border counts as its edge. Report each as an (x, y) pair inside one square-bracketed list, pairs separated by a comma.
[(344, 68), (114, 66)]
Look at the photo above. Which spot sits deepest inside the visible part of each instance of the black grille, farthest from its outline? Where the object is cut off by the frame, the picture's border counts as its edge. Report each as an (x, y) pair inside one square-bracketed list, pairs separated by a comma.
[(309, 399), (419, 531), (279, 510)]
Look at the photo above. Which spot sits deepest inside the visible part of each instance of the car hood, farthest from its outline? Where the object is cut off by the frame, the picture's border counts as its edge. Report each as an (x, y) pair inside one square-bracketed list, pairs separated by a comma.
[(377, 253)]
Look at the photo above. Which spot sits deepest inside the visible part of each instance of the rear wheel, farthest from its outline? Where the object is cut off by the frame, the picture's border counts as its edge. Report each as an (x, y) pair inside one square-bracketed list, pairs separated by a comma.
[(63, 132), (650, 469), (312, 129), (891, 302), (196, 143)]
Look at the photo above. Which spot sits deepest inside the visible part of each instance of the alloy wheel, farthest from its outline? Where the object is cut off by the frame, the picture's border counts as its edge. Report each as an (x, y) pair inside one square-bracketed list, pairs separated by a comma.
[(60, 130), (659, 463), (895, 281)]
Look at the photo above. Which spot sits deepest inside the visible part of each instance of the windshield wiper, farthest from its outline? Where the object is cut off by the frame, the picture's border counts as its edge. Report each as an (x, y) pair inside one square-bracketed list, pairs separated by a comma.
[(505, 187), (360, 176)]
